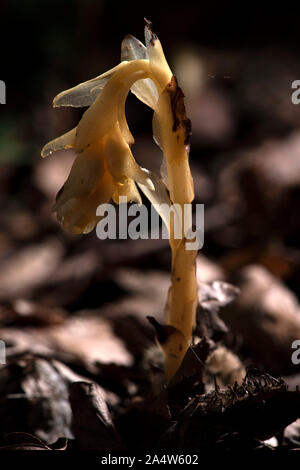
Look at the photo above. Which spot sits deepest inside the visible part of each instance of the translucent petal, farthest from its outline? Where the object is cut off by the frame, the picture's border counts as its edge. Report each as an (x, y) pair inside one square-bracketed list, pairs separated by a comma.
[(132, 49), (159, 198), (144, 90), (85, 93), (63, 142)]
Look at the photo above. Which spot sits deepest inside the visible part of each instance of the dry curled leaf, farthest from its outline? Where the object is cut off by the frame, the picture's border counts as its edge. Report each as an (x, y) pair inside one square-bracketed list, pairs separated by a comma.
[(92, 424), (212, 297), (34, 399)]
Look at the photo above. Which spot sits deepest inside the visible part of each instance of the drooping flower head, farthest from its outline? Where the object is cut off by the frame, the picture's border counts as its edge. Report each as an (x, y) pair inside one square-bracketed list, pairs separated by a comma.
[(104, 166)]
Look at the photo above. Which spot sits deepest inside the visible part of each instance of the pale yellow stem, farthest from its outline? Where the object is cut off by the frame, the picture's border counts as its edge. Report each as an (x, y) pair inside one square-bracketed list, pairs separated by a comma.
[(172, 129)]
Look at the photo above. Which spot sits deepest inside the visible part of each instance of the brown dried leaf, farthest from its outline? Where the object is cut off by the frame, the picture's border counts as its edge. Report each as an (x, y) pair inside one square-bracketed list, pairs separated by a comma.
[(212, 297), (92, 424), (34, 399)]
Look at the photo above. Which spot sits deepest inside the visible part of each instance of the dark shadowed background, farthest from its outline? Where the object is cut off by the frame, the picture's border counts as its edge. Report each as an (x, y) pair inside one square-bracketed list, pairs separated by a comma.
[(88, 299)]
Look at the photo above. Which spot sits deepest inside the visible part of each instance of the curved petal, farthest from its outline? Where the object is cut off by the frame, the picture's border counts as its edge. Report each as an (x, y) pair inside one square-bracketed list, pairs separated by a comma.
[(132, 49), (144, 90), (87, 170), (121, 162), (100, 118), (78, 215), (159, 198), (64, 142), (85, 93)]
